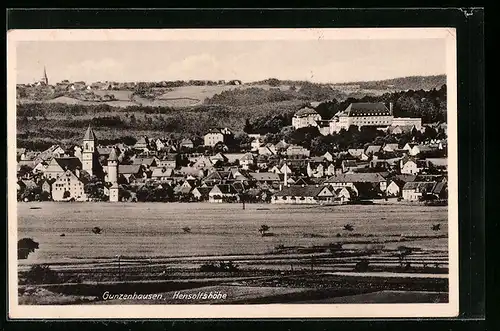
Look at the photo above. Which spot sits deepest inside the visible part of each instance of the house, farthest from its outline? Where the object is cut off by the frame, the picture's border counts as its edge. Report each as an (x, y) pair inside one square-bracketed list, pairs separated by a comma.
[(305, 117), (349, 165), (68, 186), (191, 171), (240, 175), (409, 166), (201, 193), (46, 186), (51, 152), (407, 121), (400, 129), (414, 191), (303, 194), (266, 150), (281, 146), (147, 162), (344, 194), (269, 178), (390, 147), (217, 177), (219, 158), (186, 143), (421, 149), (372, 149), (216, 135), (316, 169), (58, 167), (130, 172), (142, 143), (168, 161), (296, 150), (328, 156), (160, 144), (247, 160), (355, 152), (255, 144), (396, 184), (203, 162), (162, 174), (369, 184), (185, 188), (223, 192), (408, 147)]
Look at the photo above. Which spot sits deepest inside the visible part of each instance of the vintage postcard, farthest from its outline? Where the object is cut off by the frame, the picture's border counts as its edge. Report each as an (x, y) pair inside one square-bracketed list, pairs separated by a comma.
[(232, 173)]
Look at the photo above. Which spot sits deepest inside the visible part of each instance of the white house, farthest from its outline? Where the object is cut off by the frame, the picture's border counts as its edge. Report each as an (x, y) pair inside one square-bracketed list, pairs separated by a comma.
[(68, 182)]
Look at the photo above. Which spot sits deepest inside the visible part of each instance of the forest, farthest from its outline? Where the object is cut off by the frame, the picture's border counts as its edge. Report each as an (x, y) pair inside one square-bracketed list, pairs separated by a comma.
[(251, 110)]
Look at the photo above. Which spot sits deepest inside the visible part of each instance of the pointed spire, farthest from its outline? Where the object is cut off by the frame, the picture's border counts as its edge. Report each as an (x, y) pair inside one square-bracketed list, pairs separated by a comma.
[(89, 134), (45, 78), (112, 155)]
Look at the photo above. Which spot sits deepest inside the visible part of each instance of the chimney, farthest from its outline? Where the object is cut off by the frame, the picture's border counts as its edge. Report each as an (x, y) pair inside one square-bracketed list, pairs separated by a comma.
[(390, 108)]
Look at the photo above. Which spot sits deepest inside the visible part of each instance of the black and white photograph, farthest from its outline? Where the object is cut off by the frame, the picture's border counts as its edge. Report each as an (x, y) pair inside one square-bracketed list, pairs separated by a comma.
[(228, 173)]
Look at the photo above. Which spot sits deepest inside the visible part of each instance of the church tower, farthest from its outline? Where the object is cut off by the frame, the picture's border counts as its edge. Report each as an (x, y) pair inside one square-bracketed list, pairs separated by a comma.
[(113, 176), (88, 151)]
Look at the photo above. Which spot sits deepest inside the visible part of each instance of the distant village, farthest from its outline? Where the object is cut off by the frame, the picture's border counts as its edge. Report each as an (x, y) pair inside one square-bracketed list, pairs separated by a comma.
[(164, 170)]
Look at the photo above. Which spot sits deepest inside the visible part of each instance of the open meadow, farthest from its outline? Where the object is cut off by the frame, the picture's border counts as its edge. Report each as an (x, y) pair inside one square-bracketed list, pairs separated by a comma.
[(156, 229)]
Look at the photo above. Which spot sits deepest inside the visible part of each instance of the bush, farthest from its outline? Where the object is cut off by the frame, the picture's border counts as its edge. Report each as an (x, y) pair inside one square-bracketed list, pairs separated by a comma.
[(41, 274), (219, 267), (362, 266), (25, 246)]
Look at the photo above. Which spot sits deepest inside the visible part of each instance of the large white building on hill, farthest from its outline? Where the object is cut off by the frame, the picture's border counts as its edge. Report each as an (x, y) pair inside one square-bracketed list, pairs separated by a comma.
[(362, 114)]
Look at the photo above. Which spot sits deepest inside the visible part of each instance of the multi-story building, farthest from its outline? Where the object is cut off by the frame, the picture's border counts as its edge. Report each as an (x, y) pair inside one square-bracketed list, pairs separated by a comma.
[(362, 114), (305, 117), (216, 135)]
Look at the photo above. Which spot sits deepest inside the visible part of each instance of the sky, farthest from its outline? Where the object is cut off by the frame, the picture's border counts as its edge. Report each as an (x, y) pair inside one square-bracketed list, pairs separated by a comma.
[(325, 61)]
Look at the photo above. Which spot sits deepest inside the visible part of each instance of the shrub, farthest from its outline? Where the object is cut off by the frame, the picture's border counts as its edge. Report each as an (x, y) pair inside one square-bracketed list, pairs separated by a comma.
[(41, 274), (26, 246), (362, 266)]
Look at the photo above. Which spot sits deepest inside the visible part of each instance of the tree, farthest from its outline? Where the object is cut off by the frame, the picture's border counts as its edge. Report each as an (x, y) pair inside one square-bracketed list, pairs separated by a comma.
[(263, 229), (248, 127), (66, 194)]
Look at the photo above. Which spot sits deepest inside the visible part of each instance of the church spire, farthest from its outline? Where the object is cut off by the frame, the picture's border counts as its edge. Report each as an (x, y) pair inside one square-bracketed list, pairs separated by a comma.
[(89, 134), (45, 79)]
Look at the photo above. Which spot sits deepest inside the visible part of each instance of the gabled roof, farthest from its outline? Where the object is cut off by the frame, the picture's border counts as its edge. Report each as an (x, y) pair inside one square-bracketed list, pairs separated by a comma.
[(301, 190), (247, 157), (373, 149), (226, 188), (368, 177), (218, 175), (367, 109), (146, 161), (420, 186), (129, 168), (186, 142), (204, 190), (69, 163), (162, 172), (306, 111), (265, 176)]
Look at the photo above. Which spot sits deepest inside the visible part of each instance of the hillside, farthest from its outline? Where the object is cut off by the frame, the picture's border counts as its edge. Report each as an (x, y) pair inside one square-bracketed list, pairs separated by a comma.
[(190, 111), (400, 84)]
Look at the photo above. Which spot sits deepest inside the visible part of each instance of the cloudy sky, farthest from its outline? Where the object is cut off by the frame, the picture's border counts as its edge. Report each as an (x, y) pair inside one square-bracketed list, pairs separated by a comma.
[(314, 60)]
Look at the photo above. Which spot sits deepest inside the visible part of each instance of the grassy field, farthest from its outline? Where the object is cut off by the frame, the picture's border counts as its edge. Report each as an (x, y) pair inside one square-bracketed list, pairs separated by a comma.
[(155, 229)]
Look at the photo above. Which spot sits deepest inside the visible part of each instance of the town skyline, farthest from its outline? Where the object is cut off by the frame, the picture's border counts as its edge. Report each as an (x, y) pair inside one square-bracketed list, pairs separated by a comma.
[(318, 61)]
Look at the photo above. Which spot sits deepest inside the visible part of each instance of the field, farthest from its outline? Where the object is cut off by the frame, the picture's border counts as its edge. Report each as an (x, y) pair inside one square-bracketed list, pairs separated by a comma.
[(143, 249), (155, 229)]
